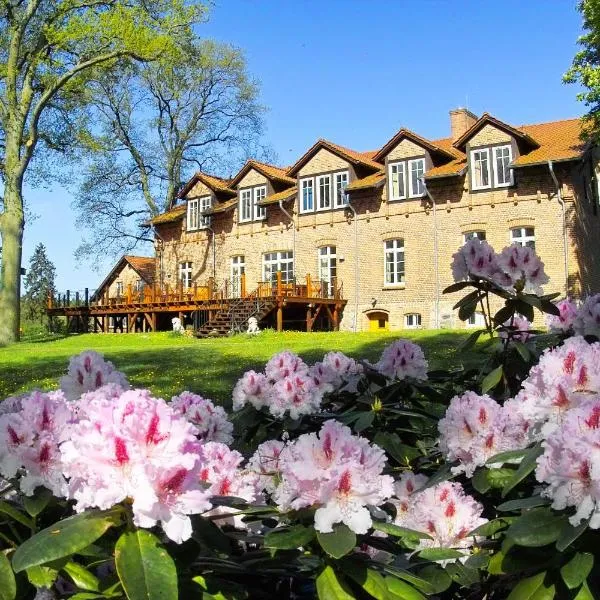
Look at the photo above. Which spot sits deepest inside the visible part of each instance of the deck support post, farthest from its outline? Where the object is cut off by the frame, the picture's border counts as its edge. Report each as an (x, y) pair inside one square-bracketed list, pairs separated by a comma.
[(279, 315), (309, 321), (336, 318), (106, 320)]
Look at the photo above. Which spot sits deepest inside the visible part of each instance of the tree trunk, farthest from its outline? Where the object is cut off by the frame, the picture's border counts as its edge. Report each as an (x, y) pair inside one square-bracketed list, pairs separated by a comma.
[(11, 229)]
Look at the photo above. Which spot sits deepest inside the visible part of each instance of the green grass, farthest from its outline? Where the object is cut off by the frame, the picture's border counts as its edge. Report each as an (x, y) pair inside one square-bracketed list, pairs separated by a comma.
[(168, 364)]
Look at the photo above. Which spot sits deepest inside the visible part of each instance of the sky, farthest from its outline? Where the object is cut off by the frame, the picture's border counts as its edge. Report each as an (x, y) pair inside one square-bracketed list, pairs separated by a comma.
[(357, 71)]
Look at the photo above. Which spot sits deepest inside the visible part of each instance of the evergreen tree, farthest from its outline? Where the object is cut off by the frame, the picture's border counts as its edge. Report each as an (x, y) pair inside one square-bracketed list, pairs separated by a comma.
[(39, 281)]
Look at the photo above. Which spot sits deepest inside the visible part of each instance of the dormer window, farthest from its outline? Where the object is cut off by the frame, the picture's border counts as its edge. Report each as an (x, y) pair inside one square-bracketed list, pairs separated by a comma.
[(341, 182), (397, 186), (192, 214), (401, 171), (249, 210), (323, 192), (195, 208), (416, 168), (490, 167), (204, 204)]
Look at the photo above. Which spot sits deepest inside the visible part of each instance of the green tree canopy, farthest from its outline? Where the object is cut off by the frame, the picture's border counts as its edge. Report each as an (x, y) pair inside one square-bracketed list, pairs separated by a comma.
[(39, 282)]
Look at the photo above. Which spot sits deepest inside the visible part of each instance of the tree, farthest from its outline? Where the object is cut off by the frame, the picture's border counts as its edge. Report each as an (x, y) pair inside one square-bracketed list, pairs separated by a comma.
[(585, 69), (39, 282), (161, 121), (49, 51)]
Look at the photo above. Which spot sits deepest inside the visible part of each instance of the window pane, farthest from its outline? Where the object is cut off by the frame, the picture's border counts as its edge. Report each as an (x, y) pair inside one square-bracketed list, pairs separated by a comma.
[(324, 192), (397, 181), (503, 172), (307, 195), (417, 169)]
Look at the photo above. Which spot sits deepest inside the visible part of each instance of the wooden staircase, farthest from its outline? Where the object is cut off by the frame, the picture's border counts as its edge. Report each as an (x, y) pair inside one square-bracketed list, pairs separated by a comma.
[(234, 318)]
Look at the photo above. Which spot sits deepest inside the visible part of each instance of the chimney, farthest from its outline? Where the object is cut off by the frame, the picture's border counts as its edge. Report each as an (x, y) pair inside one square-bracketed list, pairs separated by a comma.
[(461, 120)]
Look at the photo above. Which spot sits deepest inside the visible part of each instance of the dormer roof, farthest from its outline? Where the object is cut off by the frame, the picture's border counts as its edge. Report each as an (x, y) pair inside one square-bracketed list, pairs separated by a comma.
[(487, 119), (444, 154), (144, 266), (216, 184), (352, 156), (271, 172)]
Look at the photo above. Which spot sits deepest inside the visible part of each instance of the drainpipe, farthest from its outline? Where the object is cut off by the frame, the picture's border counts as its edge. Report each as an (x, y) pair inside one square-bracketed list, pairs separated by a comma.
[(356, 270), (214, 252), (564, 220), (161, 273), (436, 268), (289, 216)]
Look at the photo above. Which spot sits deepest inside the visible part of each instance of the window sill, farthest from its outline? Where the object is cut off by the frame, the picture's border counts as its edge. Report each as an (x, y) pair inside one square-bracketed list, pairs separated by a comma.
[(394, 286)]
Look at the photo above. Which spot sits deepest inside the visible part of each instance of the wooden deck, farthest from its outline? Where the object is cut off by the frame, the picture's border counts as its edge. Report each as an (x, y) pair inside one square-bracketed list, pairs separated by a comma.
[(210, 310)]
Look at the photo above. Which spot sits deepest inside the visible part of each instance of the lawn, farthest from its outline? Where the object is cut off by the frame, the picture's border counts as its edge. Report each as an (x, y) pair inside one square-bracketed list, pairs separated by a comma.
[(168, 364)]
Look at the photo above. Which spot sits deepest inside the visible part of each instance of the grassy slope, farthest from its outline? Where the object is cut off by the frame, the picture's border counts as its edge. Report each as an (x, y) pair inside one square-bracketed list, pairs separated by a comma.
[(167, 364)]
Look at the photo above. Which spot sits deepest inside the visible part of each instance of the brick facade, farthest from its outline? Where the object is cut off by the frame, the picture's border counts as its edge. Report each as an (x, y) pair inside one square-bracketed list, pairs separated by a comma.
[(532, 202)]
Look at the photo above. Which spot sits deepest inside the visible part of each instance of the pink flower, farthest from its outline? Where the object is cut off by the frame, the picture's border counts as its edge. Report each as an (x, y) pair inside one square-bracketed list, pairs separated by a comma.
[(476, 258), (518, 328), (89, 371), (404, 488), (403, 359), (336, 372), (284, 365), (522, 266), (566, 320), (210, 420), (297, 395), (253, 388), (588, 317), (570, 464), (265, 462)]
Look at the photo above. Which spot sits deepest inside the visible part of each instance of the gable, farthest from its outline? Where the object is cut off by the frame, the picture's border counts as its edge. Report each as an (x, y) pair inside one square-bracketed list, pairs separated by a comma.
[(488, 135), (252, 177), (200, 189), (405, 149), (323, 161)]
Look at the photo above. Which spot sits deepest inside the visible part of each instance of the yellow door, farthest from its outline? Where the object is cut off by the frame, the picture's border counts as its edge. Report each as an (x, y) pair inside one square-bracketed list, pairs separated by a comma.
[(378, 321)]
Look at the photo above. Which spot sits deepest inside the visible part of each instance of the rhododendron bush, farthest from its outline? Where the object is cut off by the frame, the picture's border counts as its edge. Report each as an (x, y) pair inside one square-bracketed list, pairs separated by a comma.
[(339, 479)]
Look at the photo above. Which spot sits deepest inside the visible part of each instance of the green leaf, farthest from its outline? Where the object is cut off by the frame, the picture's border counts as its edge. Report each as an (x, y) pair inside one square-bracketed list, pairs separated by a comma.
[(467, 344), (532, 588), (530, 502), (35, 504), (467, 309), (369, 580), (523, 350), (364, 421), (491, 380), (8, 586), (402, 590), (508, 456), (421, 583), (64, 538), (527, 465), (584, 593), (499, 477), (81, 577), (480, 481), (398, 531), (537, 527), (464, 576), (436, 577), (575, 572), (216, 588), (456, 287), (42, 577), (490, 528), (145, 569), (329, 587), (569, 534), (290, 538), (470, 298), (504, 314), (17, 515), (392, 444), (338, 543), (444, 473), (435, 554)]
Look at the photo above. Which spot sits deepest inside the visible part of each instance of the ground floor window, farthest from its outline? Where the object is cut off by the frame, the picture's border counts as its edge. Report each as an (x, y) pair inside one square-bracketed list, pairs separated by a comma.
[(378, 321), (185, 274), (412, 320), (473, 235), (278, 261), (327, 267), (524, 236), (238, 268), (393, 251), (476, 320)]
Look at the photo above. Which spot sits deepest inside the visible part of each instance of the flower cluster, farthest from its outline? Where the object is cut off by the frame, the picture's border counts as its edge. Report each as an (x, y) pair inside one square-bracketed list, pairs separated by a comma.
[(588, 317), (401, 360), (211, 421), (335, 471), (30, 438), (444, 512), (517, 329), (516, 266), (89, 371), (565, 322)]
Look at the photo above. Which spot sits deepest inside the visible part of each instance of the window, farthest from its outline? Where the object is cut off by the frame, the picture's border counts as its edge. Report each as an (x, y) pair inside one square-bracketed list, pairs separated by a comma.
[(307, 202), (245, 205), (204, 204), (503, 175), (185, 274), (412, 320), (192, 214), (476, 320), (394, 262), (473, 235), (341, 181), (524, 236), (416, 168), (378, 321), (323, 192), (260, 212), (397, 188), (327, 268), (138, 286), (278, 261), (119, 288), (480, 164), (238, 268)]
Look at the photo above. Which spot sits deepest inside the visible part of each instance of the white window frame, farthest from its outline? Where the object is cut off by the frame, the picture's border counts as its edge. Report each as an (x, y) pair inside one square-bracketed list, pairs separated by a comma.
[(397, 279), (138, 286), (320, 178), (510, 171), (186, 273), (278, 258), (307, 183), (340, 195), (476, 234), (204, 203), (120, 288), (245, 202), (260, 212), (237, 268), (475, 320), (192, 215), (327, 264), (474, 186), (400, 168), (408, 317), (412, 192), (523, 238)]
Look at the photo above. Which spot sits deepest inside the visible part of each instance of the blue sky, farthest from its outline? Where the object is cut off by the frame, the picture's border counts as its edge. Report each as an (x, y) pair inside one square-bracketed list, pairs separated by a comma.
[(355, 72)]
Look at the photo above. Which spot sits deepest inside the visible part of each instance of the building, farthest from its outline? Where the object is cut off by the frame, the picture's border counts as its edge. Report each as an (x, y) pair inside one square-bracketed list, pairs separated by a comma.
[(364, 240), (384, 224)]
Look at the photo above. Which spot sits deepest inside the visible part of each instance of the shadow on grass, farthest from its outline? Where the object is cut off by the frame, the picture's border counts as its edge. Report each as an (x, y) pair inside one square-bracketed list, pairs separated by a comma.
[(212, 367)]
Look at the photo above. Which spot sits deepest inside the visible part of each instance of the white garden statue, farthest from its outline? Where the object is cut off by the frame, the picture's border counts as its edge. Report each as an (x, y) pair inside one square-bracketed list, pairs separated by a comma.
[(177, 325), (253, 326)]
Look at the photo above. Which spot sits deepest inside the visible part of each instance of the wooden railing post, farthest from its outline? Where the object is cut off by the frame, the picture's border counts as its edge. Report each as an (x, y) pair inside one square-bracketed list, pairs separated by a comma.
[(76, 298), (279, 283), (308, 285), (195, 290), (87, 297), (68, 298), (243, 285), (211, 288)]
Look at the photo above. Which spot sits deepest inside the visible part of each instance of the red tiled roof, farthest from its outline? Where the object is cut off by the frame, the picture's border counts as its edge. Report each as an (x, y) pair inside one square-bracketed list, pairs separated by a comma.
[(221, 207), (216, 184), (286, 194), (271, 172), (169, 217), (374, 181), (145, 266), (486, 119), (444, 151)]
